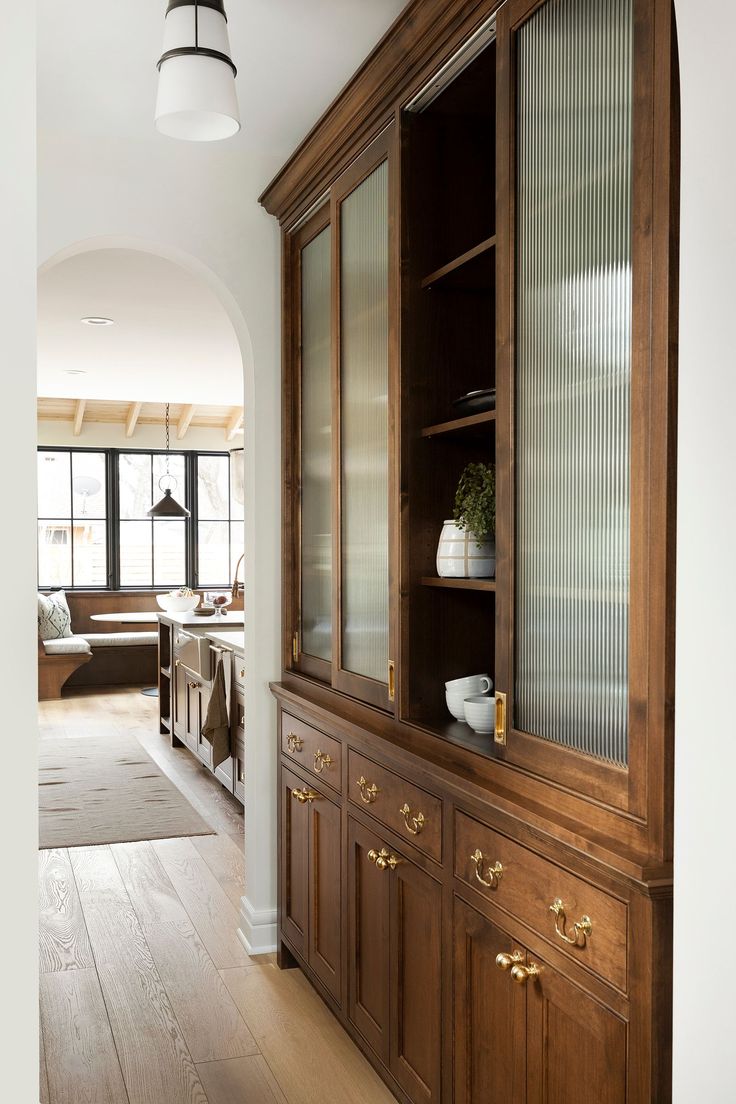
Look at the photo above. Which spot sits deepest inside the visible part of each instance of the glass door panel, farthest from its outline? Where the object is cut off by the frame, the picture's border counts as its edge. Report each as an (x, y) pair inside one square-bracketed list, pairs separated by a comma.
[(316, 448), (573, 375), (365, 450)]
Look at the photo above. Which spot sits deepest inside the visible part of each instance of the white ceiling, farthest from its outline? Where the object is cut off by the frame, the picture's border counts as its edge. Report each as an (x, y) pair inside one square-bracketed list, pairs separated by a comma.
[(97, 82), (172, 340), (97, 63)]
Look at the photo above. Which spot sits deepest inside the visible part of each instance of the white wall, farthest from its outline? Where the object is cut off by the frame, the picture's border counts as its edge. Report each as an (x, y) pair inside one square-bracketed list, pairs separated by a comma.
[(197, 204), (705, 754)]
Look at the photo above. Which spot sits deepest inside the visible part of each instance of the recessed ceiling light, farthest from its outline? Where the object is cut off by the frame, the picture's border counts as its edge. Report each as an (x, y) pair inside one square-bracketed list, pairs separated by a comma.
[(74, 372), (97, 321)]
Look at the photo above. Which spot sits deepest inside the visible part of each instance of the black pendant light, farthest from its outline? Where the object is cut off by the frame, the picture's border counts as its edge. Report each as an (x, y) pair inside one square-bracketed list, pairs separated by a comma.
[(168, 507)]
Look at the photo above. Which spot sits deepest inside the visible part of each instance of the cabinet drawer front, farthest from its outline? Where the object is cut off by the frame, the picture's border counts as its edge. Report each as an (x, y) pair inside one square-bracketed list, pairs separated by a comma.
[(409, 811), (527, 886), (311, 749), (239, 672)]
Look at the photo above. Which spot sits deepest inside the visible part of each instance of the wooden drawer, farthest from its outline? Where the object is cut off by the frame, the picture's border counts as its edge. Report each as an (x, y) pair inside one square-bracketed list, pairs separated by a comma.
[(409, 811), (529, 885), (317, 753)]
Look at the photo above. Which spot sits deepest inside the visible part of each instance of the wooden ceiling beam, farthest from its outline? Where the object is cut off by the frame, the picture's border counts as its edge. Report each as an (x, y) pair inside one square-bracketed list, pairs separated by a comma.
[(131, 420), (185, 419), (234, 423), (79, 416)]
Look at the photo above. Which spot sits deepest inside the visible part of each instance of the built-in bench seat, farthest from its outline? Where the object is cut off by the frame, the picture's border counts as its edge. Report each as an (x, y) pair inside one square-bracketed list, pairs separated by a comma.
[(58, 660), (119, 639)]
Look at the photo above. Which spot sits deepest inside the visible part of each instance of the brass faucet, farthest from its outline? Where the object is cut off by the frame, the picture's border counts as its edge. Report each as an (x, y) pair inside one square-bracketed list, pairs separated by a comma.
[(237, 587)]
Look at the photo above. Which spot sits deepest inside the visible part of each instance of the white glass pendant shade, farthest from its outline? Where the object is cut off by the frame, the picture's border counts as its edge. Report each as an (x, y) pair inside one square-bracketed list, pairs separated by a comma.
[(196, 90)]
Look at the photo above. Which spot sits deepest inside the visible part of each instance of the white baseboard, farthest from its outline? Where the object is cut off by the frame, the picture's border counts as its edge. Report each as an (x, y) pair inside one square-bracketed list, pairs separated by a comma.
[(257, 931)]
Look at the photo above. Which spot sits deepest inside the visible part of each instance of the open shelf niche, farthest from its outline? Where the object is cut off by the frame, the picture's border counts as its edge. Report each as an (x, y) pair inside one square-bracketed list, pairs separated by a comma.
[(448, 350)]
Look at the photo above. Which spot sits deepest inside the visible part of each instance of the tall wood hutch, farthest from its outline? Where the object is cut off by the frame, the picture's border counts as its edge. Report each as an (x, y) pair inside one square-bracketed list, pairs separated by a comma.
[(490, 202)]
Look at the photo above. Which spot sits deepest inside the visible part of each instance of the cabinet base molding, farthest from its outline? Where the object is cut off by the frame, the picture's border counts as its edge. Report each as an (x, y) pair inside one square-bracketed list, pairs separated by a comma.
[(257, 931)]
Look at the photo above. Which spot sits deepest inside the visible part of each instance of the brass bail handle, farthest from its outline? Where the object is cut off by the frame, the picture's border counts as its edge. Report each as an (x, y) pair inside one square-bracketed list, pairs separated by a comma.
[(581, 929), (493, 873), (413, 824), (368, 793), (321, 760)]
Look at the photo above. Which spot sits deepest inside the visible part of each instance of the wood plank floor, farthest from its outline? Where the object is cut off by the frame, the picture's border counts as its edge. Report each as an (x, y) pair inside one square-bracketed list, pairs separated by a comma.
[(146, 994)]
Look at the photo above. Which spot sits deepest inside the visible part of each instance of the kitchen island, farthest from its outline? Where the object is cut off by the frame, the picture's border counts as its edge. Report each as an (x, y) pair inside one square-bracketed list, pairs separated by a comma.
[(189, 649)]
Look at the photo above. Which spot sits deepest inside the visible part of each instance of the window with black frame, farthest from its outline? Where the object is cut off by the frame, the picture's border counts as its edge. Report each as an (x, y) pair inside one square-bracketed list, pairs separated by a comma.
[(72, 518), (94, 530), (219, 510), (152, 551)]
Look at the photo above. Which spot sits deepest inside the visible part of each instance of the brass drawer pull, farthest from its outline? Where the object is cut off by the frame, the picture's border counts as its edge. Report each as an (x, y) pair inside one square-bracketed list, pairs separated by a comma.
[(303, 795), (321, 761), (368, 793), (493, 873), (294, 743), (506, 961), (580, 930), (413, 824), (383, 858)]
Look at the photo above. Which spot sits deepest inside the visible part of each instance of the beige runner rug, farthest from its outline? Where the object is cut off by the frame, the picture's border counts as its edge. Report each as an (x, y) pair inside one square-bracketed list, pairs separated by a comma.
[(95, 790)]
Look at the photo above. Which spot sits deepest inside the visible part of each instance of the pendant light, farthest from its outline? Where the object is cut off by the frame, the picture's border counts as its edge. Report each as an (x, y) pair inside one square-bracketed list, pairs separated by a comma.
[(196, 84), (168, 507)]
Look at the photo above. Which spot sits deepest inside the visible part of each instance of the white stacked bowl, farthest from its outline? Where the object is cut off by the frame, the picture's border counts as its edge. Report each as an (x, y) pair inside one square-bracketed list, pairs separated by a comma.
[(457, 690)]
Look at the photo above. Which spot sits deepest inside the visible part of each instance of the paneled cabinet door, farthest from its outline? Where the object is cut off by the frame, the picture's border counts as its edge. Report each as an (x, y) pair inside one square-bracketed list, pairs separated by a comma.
[(395, 950), (368, 940), (294, 873), (576, 1048), (179, 701), (191, 737), (489, 1015), (415, 938), (325, 865)]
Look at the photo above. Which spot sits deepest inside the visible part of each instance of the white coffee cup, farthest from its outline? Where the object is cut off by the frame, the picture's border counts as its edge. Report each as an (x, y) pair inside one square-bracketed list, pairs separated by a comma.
[(480, 713), (471, 684)]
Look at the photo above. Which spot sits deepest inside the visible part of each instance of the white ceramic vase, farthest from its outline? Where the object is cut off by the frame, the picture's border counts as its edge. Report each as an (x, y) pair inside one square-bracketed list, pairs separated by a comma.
[(460, 555)]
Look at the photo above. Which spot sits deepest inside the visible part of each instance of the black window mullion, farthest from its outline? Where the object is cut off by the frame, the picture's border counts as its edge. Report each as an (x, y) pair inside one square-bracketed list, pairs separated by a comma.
[(112, 465), (191, 475)]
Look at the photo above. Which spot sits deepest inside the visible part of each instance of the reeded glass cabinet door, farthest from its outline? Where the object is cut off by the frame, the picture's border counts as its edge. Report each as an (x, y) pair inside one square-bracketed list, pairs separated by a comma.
[(575, 363), (315, 453), (362, 651)]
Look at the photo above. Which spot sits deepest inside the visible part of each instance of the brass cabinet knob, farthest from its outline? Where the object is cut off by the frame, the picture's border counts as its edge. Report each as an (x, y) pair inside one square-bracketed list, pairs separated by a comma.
[(304, 795), (581, 929), (192, 685), (413, 824), (368, 793), (383, 859), (294, 743), (321, 761), (521, 974), (242, 672), (493, 873), (506, 961)]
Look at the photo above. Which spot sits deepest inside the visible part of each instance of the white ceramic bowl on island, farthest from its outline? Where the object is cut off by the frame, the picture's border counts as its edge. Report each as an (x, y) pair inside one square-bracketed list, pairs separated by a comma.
[(480, 713), (460, 555), (457, 690), (175, 603)]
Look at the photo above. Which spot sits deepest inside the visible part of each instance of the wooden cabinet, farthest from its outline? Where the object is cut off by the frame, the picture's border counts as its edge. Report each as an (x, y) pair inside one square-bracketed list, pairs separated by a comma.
[(539, 1040), (489, 1015), (490, 206), (310, 878), (395, 960), (188, 699)]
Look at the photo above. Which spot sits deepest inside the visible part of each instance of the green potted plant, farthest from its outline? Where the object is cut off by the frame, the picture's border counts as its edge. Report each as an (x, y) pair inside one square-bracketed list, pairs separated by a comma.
[(467, 548)]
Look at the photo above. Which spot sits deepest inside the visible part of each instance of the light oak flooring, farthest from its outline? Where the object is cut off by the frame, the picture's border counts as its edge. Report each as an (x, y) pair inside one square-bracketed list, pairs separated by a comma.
[(147, 995)]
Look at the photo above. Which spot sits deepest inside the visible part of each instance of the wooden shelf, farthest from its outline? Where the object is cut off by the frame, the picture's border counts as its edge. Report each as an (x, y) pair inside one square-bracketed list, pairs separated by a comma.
[(460, 425), (458, 262), (459, 584), (459, 733)]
